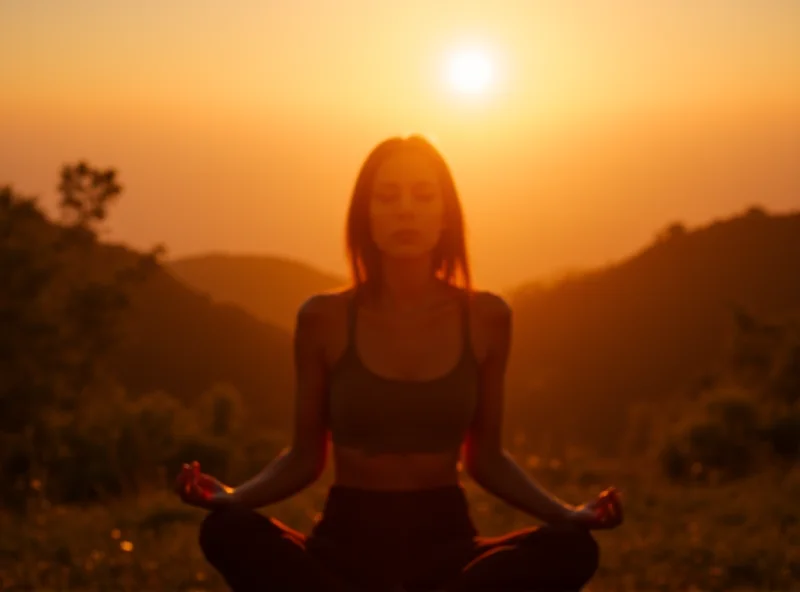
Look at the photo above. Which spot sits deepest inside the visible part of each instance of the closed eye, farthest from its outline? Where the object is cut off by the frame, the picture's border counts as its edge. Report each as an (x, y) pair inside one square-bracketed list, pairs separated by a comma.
[(386, 197)]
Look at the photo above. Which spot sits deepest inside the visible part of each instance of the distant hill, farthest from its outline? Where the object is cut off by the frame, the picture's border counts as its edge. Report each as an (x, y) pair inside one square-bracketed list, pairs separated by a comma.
[(177, 340), (170, 338), (588, 346), (180, 341), (270, 288)]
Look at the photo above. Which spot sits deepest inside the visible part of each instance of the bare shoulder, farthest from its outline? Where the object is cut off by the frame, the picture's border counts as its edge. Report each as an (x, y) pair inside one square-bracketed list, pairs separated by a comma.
[(323, 318), (490, 316), (490, 308), (323, 305)]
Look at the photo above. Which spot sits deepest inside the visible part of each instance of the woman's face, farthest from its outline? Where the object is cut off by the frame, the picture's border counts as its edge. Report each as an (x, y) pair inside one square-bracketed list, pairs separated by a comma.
[(406, 208)]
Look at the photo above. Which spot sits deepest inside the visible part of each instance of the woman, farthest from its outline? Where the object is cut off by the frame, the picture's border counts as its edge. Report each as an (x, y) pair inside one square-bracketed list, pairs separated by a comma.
[(405, 371)]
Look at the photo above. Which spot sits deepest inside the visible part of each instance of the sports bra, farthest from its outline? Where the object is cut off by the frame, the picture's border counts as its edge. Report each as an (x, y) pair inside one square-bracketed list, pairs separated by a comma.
[(377, 414)]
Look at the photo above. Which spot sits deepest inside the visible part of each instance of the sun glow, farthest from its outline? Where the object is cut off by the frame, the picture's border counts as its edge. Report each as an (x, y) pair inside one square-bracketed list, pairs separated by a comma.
[(470, 71)]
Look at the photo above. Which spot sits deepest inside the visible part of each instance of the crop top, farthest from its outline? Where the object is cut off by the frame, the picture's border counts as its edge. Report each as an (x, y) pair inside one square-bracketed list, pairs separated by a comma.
[(377, 414)]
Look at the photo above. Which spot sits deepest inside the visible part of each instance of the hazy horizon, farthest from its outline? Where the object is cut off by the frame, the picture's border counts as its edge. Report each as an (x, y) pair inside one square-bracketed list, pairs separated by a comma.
[(576, 132), (233, 127)]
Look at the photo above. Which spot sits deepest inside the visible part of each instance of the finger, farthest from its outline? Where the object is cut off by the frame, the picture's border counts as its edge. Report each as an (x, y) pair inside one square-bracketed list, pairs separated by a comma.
[(188, 480), (182, 478), (184, 494), (611, 506), (615, 501), (608, 519), (194, 494), (208, 484), (609, 493), (603, 497), (194, 472), (614, 518)]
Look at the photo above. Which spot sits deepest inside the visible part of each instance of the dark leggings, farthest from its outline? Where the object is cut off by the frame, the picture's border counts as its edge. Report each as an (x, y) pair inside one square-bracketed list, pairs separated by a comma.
[(424, 543)]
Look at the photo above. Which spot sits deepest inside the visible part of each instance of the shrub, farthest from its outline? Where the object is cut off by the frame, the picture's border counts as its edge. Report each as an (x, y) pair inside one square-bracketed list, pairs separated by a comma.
[(783, 434)]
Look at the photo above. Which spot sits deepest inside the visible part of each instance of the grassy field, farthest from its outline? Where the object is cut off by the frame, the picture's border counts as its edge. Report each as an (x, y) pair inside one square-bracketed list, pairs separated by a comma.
[(740, 536)]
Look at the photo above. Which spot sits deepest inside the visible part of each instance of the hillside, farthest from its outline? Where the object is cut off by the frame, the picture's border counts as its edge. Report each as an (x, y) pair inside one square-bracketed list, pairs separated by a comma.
[(179, 341), (270, 288), (589, 346), (170, 338)]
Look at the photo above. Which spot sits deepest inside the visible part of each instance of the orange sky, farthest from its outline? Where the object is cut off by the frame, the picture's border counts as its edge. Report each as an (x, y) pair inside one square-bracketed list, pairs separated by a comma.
[(241, 126)]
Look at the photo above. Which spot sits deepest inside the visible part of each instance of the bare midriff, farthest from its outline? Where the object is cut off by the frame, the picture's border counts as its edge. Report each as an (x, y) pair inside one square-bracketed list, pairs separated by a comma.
[(390, 471)]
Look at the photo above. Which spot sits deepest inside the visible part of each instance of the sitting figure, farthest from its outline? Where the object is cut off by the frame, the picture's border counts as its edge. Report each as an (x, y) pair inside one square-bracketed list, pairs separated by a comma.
[(403, 373)]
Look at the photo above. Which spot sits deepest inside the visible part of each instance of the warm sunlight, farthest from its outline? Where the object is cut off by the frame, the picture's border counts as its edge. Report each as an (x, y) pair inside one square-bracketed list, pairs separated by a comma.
[(470, 71), (617, 183)]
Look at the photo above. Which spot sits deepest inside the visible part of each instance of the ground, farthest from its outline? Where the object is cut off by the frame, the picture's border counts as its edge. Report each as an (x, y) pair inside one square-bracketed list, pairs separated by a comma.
[(737, 536)]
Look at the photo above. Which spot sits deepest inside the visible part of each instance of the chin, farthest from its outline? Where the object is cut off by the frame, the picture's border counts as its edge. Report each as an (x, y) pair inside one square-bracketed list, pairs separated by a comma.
[(409, 252)]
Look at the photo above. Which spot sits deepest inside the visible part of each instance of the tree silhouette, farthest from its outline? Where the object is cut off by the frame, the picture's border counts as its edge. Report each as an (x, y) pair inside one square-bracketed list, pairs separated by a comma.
[(58, 310), (86, 193), (672, 232)]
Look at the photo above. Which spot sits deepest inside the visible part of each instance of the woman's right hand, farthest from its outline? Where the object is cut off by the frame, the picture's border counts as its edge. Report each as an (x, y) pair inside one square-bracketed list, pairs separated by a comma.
[(201, 490), (603, 512)]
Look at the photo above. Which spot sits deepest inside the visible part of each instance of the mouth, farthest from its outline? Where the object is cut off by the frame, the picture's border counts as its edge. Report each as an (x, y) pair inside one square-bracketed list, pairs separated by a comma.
[(407, 235)]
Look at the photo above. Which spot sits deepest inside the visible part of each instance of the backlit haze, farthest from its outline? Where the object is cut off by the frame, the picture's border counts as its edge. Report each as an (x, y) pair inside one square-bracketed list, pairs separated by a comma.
[(577, 132)]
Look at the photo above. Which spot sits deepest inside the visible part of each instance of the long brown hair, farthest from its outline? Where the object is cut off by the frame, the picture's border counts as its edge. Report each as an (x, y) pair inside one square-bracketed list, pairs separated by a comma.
[(450, 262)]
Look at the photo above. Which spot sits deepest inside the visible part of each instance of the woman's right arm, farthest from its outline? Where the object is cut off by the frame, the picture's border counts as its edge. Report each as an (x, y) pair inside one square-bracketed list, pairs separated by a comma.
[(302, 463)]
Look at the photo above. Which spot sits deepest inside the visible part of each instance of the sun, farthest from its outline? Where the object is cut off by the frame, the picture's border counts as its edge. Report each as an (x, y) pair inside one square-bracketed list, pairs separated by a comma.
[(470, 71)]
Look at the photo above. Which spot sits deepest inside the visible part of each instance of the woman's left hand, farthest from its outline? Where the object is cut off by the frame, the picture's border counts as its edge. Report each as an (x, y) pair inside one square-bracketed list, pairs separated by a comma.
[(603, 512), (198, 489)]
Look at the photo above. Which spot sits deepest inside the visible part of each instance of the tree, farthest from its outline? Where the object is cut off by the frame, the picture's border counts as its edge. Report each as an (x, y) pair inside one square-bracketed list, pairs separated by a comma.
[(672, 232), (86, 193), (58, 310)]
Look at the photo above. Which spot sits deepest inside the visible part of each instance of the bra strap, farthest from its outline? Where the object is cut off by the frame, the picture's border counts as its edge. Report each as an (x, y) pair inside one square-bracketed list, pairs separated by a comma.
[(465, 323), (352, 309)]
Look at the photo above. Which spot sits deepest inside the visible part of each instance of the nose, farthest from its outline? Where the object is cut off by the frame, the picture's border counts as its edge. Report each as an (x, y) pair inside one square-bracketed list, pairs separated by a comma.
[(405, 205)]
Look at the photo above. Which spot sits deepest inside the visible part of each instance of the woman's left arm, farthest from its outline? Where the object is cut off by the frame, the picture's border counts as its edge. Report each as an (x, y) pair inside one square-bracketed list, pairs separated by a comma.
[(485, 459)]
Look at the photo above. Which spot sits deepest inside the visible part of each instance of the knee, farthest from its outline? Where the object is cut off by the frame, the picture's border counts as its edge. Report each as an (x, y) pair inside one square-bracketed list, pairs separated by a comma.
[(586, 553), (219, 527), (579, 549)]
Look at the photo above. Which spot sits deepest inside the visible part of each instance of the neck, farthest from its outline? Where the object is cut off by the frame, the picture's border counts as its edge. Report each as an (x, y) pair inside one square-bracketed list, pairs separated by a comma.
[(407, 284)]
